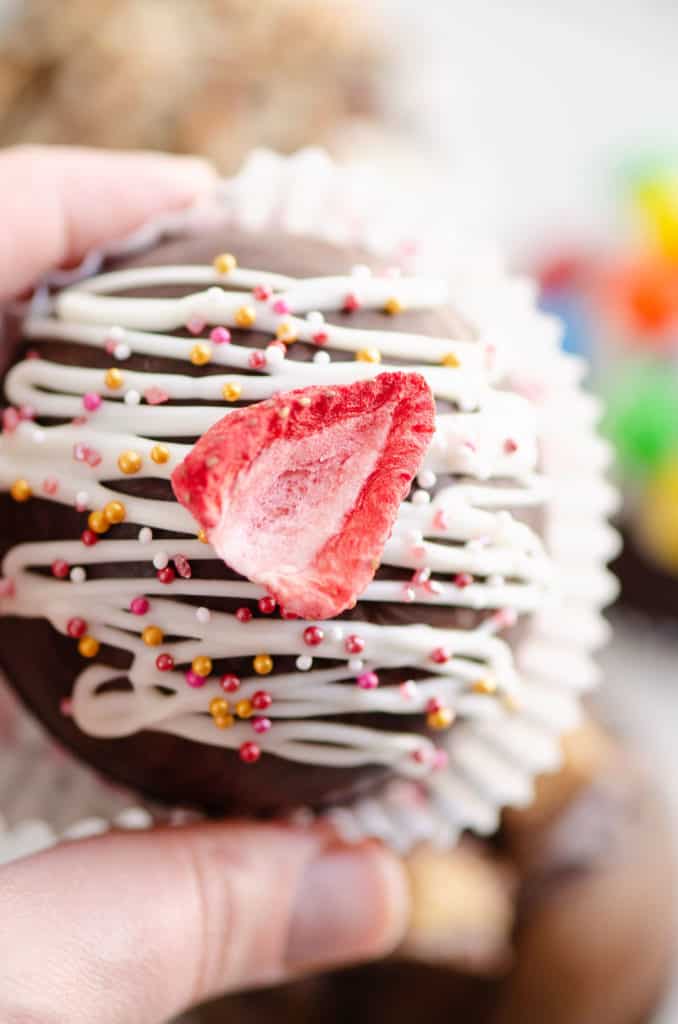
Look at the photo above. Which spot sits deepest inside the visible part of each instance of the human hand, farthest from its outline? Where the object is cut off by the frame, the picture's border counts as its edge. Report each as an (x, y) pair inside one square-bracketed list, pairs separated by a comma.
[(136, 927)]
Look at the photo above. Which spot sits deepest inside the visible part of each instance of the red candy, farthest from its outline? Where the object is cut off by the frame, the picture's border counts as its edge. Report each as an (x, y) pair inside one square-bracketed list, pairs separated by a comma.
[(243, 615), (230, 684), (267, 605), (249, 752), (76, 628), (313, 635), (166, 575), (257, 359), (463, 579), (60, 569), (164, 662), (440, 655), (312, 538), (354, 644), (89, 538), (351, 303), (139, 605), (261, 700)]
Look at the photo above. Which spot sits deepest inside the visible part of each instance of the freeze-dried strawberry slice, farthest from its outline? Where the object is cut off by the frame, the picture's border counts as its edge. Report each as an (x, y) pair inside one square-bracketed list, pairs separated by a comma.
[(300, 493)]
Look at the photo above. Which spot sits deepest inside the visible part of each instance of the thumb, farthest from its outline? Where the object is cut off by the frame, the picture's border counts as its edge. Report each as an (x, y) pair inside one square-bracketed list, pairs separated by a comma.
[(137, 927)]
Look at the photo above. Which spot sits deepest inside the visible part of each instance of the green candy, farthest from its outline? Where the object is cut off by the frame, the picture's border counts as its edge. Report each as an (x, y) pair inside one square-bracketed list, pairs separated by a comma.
[(642, 416)]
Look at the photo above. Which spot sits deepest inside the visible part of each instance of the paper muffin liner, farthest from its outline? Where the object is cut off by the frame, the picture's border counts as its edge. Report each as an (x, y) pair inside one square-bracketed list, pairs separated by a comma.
[(492, 762)]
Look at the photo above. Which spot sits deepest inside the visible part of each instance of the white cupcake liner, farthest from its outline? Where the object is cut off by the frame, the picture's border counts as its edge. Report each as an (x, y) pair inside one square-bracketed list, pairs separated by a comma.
[(492, 763)]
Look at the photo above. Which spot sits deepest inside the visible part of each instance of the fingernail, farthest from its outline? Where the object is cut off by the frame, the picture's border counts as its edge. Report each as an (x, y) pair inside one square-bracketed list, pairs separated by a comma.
[(350, 906)]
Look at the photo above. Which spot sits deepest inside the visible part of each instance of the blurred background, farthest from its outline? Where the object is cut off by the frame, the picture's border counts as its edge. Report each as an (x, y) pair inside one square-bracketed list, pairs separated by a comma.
[(551, 126)]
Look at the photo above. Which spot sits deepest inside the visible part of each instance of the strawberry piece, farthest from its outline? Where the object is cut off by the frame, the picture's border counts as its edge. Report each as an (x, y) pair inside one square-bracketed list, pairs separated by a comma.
[(300, 493)]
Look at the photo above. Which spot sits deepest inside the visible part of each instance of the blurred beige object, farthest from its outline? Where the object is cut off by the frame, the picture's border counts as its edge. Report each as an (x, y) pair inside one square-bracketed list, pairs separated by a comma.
[(211, 77), (463, 908)]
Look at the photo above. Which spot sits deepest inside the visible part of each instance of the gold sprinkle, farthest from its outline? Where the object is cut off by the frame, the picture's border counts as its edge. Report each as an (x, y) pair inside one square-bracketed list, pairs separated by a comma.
[(263, 664), (245, 316), (440, 719), (21, 490), (129, 462), (219, 706), (285, 332), (160, 454), (201, 353), (224, 263), (393, 306), (202, 536), (244, 709), (202, 665), (485, 686), (368, 355), (88, 647), (231, 391), (224, 721), (97, 521), (450, 360), (153, 636), (113, 379), (115, 512)]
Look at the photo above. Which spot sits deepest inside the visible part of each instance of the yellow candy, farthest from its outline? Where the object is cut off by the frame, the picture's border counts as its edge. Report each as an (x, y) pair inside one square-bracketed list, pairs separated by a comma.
[(21, 490), (202, 665), (115, 512), (244, 709), (224, 263), (231, 391), (153, 636), (440, 719), (245, 316), (98, 521), (129, 462), (263, 664), (368, 355), (160, 454), (88, 647), (393, 306), (113, 379), (200, 354), (450, 360)]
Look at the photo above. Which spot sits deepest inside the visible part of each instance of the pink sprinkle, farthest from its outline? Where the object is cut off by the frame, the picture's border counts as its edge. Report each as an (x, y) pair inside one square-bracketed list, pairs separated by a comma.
[(26, 412), (261, 724), (110, 346), (220, 335), (91, 401), (194, 680), (10, 420), (368, 680), (440, 520), (183, 566), (7, 587), (320, 337), (463, 579), (408, 689), (262, 292), (50, 485), (66, 706), (257, 359), (277, 344), (351, 303), (155, 396), (281, 306), (418, 552), (440, 759), (434, 704), (505, 618), (510, 446), (440, 655), (92, 457), (139, 605), (195, 325)]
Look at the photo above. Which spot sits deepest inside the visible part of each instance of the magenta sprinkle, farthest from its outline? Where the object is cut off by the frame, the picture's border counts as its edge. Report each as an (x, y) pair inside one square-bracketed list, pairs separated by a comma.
[(368, 680), (194, 680), (220, 335), (139, 605), (281, 306), (261, 724), (91, 401)]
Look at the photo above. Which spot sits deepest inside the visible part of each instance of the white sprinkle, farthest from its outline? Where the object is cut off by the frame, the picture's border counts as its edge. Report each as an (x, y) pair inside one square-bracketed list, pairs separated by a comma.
[(160, 560), (145, 535), (203, 614), (215, 294), (39, 436), (117, 334), (132, 397), (427, 479), (78, 574), (420, 498), (81, 500), (322, 358), (409, 594), (304, 662), (315, 318), (274, 355), (356, 664), (434, 587), (122, 352), (361, 270), (337, 633)]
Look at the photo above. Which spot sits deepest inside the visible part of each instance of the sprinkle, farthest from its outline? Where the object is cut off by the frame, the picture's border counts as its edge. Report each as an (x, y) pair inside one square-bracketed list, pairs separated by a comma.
[(194, 680), (510, 446), (194, 326), (89, 538), (427, 479), (200, 354), (257, 359), (160, 560), (183, 566), (505, 618), (249, 752), (244, 615), (442, 718), (139, 605), (50, 485), (224, 721), (485, 686), (304, 662), (219, 706), (160, 454), (451, 360), (393, 306), (281, 306), (368, 680), (422, 755), (421, 576), (245, 317), (262, 292), (420, 498), (262, 664), (267, 604), (132, 397), (244, 709), (229, 683), (97, 521), (220, 335), (76, 628), (145, 535), (38, 437), (409, 689), (321, 358), (202, 536), (91, 401), (117, 334), (202, 665), (409, 594), (320, 338), (354, 644), (21, 490), (113, 379), (164, 663), (261, 700), (368, 355), (166, 575), (10, 420), (261, 724), (156, 396), (351, 303), (440, 521), (313, 636), (115, 512), (81, 501), (60, 568), (88, 647), (129, 462), (122, 352), (203, 614), (224, 263), (440, 655), (66, 706), (152, 636), (463, 579), (231, 391), (355, 664)]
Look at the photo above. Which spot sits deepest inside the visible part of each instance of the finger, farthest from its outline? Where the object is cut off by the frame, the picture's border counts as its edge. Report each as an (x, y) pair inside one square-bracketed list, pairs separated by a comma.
[(58, 202), (136, 927)]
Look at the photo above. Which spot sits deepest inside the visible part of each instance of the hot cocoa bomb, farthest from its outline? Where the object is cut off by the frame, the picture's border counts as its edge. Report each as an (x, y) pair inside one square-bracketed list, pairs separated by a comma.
[(144, 652)]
